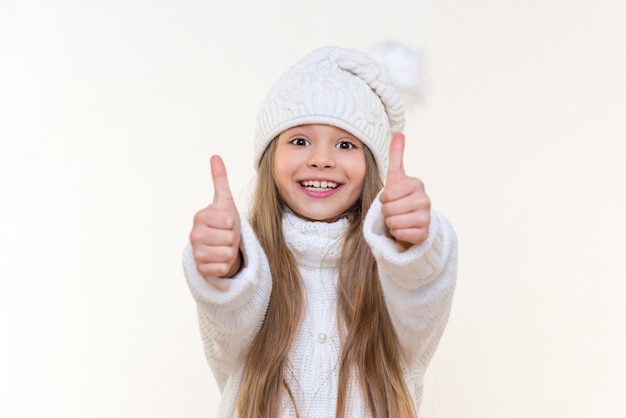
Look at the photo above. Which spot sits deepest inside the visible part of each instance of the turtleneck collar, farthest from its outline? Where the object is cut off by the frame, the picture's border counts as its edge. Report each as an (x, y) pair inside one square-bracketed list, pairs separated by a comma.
[(314, 243)]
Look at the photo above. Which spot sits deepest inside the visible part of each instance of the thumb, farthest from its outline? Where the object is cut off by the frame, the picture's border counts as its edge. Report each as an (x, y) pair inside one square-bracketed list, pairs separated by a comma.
[(395, 170), (220, 181)]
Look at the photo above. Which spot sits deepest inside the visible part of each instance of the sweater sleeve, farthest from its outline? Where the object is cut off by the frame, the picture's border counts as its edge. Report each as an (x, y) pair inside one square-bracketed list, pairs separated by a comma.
[(231, 311), (418, 283)]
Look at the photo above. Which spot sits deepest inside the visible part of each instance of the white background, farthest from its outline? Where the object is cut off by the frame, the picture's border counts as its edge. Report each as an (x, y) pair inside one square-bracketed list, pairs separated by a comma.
[(110, 111)]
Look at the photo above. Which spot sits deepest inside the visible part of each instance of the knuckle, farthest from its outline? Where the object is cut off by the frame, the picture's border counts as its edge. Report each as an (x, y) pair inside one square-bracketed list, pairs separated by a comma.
[(398, 234), (205, 270), (231, 239), (212, 270), (421, 235), (201, 257), (416, 184), (194, 236), (384, 196), (395, 222), (221, 270), (229, 220), (231, 253), (200, 216), (199, 235), (386, 209)]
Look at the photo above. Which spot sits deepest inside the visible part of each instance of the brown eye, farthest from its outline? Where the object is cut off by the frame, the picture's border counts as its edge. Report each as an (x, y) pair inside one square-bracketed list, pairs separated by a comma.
[(346, 145), (301, 142)]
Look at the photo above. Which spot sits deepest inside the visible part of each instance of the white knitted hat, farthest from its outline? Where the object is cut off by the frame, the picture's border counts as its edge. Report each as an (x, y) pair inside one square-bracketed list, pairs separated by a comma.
[(334, 86)]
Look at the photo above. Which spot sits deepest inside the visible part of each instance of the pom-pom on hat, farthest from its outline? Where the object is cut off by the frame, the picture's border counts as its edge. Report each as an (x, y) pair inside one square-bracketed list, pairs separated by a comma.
[(339, 87)]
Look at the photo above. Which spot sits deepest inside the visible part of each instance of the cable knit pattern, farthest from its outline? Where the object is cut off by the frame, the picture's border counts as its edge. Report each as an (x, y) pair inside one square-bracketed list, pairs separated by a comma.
[(418, 285), (334, 86)]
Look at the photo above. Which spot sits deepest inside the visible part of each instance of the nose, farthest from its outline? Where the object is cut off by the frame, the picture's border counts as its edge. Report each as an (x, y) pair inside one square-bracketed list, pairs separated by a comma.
[(321, 158)]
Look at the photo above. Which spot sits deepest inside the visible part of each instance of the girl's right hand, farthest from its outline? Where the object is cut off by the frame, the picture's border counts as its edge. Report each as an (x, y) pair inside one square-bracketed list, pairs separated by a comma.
[(216, 233)]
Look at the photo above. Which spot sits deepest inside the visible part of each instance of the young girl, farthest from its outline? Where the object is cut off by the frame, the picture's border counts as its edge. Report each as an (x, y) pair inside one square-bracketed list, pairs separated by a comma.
[(330, 299)]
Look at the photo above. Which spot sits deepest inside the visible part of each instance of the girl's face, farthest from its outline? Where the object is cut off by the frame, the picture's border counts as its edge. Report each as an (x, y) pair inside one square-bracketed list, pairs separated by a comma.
[(319, 170)]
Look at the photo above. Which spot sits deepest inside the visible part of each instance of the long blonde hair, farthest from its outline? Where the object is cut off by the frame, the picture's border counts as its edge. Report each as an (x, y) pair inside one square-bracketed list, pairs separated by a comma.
[(370, 348)]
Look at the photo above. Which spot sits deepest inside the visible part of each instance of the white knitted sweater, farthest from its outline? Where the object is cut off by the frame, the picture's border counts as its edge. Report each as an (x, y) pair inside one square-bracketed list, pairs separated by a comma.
[(418, 285)]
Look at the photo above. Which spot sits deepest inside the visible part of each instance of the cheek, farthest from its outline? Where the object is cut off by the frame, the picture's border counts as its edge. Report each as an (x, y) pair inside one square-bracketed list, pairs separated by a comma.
[(278, 168), (357, 174), (283, 174), (357, 169)]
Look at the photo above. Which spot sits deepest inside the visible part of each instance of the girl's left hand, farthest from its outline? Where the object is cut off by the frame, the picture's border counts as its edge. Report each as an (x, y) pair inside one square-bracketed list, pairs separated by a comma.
[(406, 206)]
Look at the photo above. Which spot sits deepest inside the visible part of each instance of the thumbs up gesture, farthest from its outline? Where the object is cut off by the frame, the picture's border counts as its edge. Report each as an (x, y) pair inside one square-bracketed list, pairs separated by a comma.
[(216, 232), (406, 206)]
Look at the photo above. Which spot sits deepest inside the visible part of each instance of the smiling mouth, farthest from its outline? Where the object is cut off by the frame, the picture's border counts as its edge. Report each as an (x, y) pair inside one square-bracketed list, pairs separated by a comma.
[(319, 186)]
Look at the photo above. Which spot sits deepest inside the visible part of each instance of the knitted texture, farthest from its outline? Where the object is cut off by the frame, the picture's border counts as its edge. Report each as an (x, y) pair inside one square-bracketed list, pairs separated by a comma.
[(418, 285), (339, 87)]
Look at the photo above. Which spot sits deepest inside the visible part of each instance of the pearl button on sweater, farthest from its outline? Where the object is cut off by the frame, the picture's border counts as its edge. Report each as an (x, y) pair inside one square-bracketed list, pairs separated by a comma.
[(418, 285)]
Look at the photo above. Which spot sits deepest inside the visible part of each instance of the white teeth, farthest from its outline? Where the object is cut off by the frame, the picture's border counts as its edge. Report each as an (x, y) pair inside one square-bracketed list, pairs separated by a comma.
[(316, 185)]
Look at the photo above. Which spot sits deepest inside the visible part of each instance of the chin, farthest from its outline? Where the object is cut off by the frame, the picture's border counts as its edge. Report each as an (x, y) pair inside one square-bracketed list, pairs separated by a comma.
[(312, 217)]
